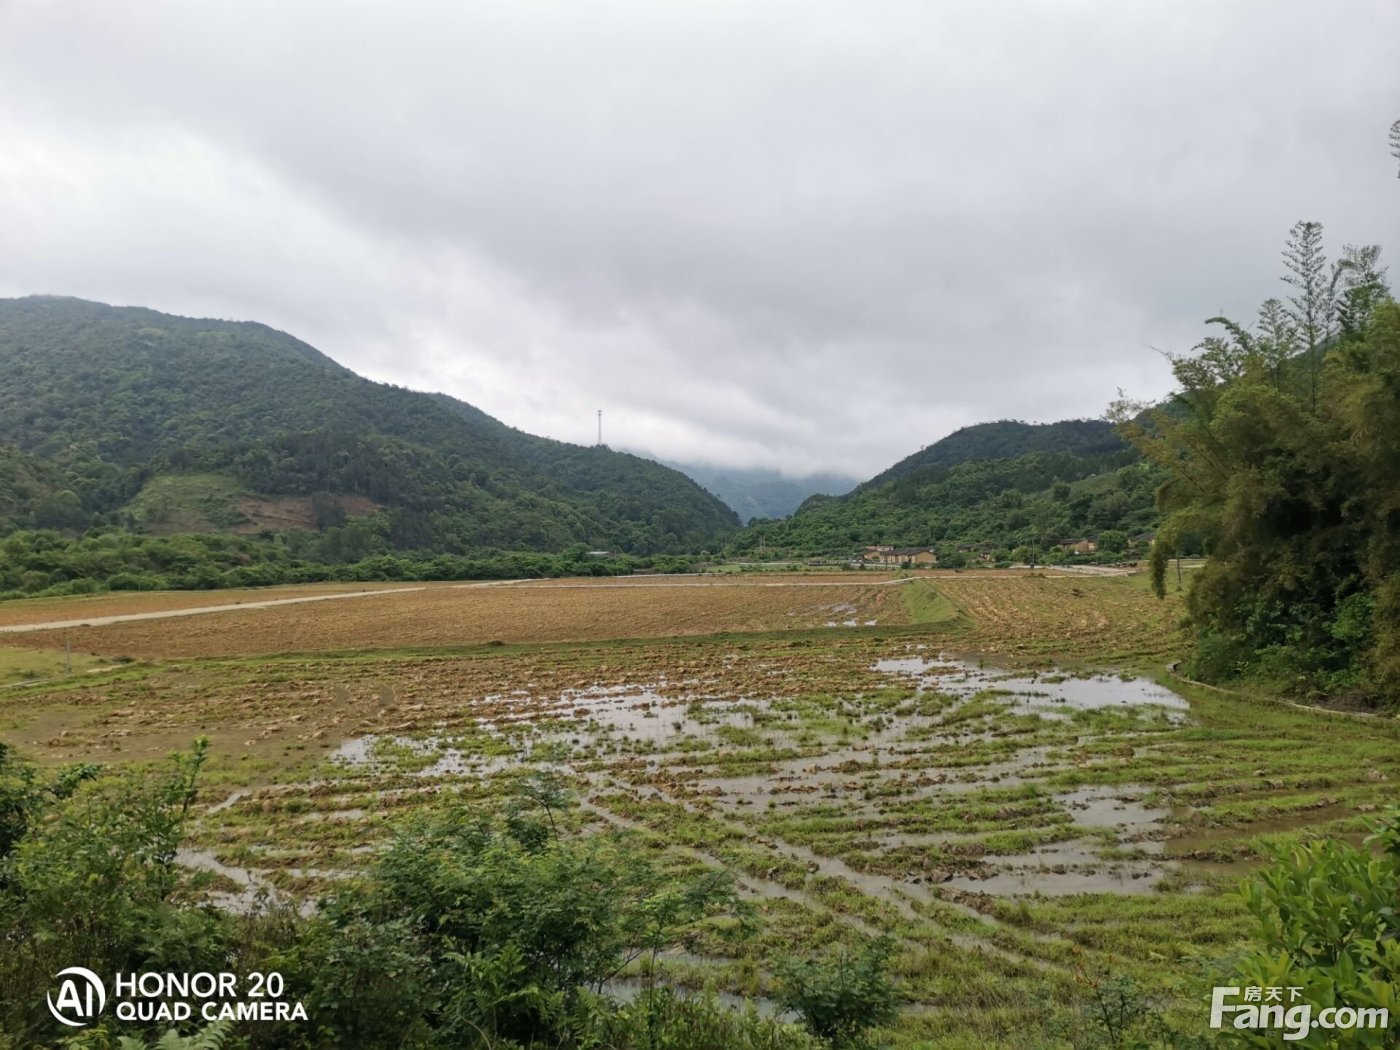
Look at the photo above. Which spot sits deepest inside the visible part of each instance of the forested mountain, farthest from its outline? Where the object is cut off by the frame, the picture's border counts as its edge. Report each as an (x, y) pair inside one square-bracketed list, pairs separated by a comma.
[(1008, 439), (757, 492), (32, 488), (121, 415), (1003, 485)]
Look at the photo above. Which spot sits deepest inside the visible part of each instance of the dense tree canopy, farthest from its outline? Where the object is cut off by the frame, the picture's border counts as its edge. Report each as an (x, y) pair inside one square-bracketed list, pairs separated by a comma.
[(1283, 451), (1031, 500), (49, 563), (1009, 439), (96, 402)]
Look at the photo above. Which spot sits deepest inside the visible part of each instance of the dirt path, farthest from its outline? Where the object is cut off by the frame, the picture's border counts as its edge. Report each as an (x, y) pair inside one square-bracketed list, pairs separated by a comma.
[(163, 614)]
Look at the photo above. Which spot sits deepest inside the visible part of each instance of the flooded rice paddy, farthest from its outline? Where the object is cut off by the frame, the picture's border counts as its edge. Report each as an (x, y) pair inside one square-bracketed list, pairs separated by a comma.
[(1020, 826), (943, 779)]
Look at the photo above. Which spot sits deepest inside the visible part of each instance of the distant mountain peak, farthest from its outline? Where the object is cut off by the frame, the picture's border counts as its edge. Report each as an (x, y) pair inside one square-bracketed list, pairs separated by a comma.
[(761, 492)]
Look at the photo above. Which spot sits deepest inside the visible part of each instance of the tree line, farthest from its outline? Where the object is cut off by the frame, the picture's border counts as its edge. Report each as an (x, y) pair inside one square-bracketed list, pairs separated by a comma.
[(50, 564), (1282, 451)]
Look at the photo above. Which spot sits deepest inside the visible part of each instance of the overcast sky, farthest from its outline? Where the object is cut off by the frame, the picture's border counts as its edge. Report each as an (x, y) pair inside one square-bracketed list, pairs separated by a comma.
[(802, 235)]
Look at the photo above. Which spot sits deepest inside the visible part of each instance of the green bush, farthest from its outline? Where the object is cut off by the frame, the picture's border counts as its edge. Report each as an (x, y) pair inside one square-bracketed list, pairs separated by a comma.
[(474, 929), (1329, 925), (841, 998), (87, 872)]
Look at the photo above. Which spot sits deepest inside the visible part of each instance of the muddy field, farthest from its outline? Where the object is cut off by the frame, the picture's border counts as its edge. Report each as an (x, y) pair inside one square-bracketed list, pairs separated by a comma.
[(42, 610), (512, 613), (1111, 620), (1020, 825)]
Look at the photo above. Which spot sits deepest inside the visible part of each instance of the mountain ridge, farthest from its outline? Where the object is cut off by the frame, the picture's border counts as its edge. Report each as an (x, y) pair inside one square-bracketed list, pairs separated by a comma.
[(115, 396), (1007, 439), (1001, 486)]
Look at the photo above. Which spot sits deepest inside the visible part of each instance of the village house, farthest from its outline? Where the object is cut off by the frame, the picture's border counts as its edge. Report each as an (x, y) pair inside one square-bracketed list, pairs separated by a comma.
[(917, 555), (887, 555), (1079, 546)]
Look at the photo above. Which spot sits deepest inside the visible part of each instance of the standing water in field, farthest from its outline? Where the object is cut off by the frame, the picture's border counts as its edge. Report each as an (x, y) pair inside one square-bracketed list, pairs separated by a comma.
[(1038, 692)]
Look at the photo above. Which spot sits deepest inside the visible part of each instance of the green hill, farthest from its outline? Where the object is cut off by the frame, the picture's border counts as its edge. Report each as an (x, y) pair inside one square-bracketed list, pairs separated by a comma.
[(998, 486), (1008, 439), (125, 416)]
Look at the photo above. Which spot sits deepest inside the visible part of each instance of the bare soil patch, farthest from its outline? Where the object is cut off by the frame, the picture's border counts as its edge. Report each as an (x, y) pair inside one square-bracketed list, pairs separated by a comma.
[(446, 615), (127, 603)]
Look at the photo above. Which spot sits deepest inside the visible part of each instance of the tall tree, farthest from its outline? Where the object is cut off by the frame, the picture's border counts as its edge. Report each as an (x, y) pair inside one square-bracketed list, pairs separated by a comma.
[(1313, 302), (1277, 338), (1361, 287)]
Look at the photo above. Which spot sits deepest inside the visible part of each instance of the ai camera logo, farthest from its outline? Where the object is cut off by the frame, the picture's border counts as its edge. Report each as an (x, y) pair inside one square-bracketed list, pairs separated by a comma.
[(81, 997)]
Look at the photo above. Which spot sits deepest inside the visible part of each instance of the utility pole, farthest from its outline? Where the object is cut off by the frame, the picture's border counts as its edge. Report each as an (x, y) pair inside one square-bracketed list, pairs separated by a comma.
[(600, 428), (67, 654)]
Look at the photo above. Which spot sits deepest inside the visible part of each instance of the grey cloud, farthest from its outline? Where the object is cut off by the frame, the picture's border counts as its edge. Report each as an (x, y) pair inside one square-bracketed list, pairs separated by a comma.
[(799, 234)]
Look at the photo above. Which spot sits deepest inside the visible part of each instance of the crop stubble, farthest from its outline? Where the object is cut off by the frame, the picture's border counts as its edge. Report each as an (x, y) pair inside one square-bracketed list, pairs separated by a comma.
[(842, 799), (448, 616)]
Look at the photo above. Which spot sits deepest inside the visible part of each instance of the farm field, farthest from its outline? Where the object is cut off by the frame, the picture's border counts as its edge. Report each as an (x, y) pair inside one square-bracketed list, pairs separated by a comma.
[(475, 614), (126, 603), (996, 773), (19, 666)]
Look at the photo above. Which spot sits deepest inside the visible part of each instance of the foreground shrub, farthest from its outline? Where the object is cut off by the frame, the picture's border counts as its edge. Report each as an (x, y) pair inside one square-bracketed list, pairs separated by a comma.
[(1329, 925), (473, 930), (840, 999)]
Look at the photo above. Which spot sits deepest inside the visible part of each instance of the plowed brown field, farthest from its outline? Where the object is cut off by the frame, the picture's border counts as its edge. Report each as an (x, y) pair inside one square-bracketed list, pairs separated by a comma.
[(474, 615), (41, 610), (1111, 620)]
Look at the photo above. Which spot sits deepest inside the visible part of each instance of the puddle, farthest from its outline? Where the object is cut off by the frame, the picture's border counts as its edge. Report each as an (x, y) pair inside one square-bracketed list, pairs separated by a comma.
[(904, 665), (1114, 806), (1038, 692), (1057, 871), (1078, 866), (598, 718), (355, 751), (647, 717), (846, 775), (334, 814), (252, 887), (448, 761), (230, 801), (868, 761)]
